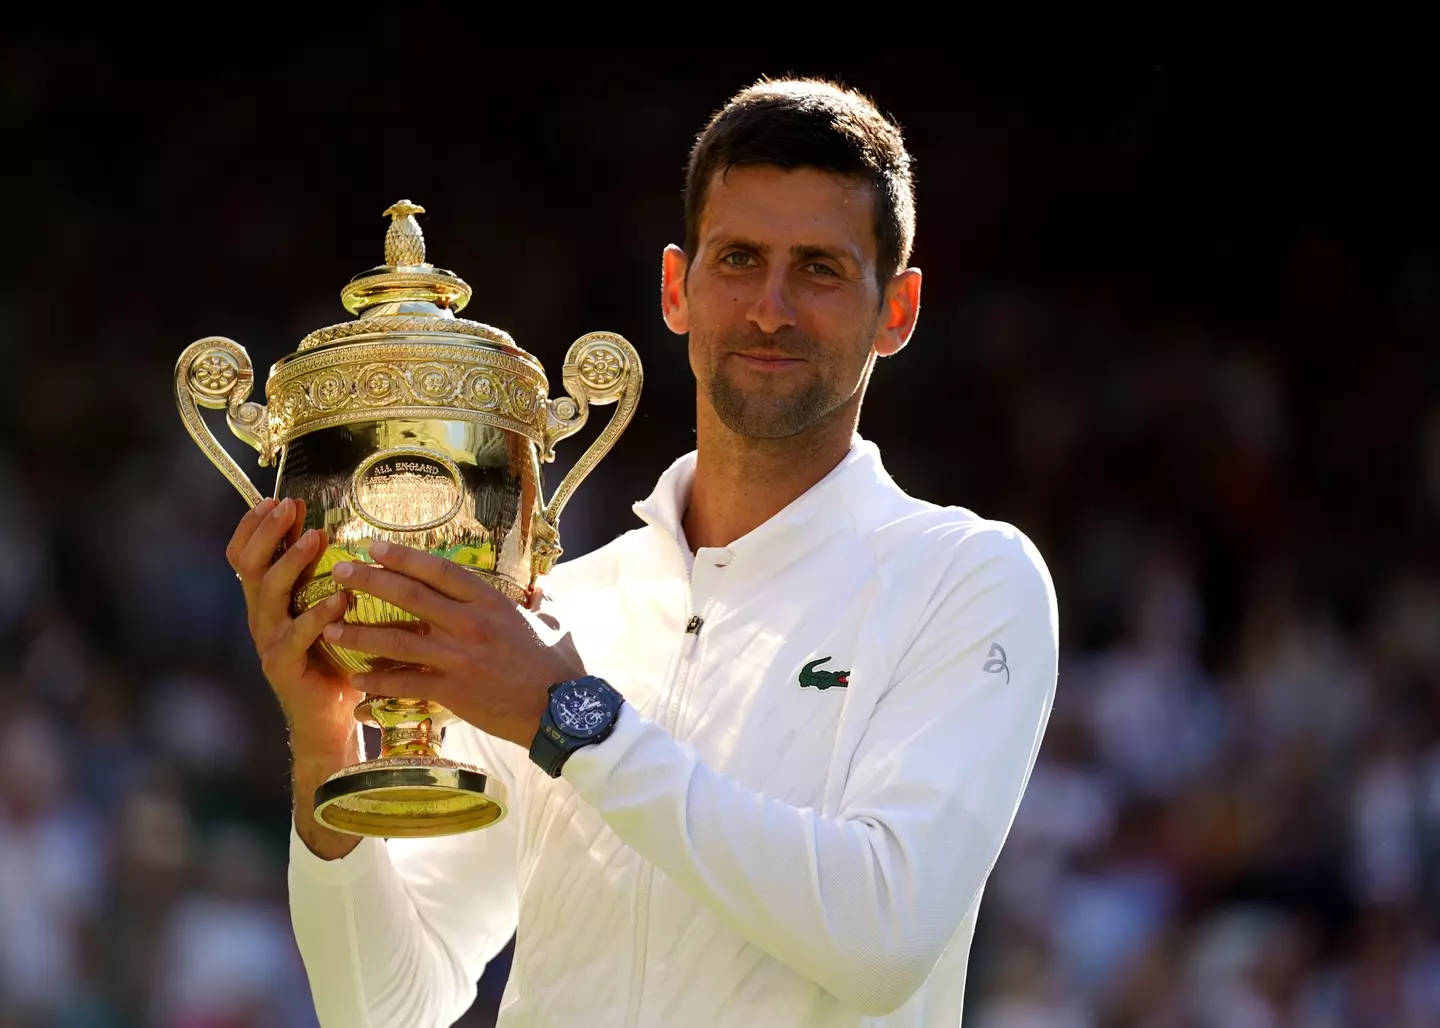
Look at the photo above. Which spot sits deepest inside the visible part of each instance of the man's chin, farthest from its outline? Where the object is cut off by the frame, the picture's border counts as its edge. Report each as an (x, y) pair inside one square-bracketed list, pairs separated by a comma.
[(770, 416), (772, 423)]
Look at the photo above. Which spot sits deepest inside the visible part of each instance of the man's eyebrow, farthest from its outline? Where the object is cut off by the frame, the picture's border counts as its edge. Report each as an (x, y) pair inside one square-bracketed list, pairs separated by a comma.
[(841, 253), (742, 243), (799, 251)]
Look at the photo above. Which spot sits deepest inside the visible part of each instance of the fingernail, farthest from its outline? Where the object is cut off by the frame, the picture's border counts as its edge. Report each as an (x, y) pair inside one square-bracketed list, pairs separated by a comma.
[(358, 681), (338, 601), (308, 539), (380, 548), (281, 510), (332, 632), (343, 570)]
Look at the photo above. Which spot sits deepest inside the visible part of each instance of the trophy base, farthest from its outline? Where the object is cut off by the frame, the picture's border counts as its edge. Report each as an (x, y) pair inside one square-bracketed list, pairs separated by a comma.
[(409, 798)]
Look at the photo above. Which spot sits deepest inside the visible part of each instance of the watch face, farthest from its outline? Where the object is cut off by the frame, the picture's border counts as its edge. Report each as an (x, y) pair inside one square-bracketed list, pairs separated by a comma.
[(582, 708)]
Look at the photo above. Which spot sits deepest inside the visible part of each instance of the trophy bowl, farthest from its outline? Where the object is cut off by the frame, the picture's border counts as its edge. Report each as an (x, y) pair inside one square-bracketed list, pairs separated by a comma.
[(411, 425)]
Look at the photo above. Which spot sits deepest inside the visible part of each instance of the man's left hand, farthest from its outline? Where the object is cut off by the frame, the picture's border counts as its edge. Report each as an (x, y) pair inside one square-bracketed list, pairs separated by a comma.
[(488, 661)]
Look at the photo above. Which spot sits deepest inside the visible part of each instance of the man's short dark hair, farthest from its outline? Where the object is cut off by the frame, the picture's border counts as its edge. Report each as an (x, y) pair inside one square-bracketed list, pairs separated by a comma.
[(810, 123)]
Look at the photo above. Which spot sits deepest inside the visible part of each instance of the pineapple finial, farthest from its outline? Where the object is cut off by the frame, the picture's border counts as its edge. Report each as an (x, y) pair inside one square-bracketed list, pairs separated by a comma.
[(404, 242)]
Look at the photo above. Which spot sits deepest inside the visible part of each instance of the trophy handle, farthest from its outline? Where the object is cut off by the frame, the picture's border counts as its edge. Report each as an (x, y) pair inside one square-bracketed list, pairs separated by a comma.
[(216, 372), (600, 368)]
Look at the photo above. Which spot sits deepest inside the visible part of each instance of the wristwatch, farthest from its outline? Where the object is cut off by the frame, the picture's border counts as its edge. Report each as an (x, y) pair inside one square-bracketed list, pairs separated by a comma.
[(582, 712)]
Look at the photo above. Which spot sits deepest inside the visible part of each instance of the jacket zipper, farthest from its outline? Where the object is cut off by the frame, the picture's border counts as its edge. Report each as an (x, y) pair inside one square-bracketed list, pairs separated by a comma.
[(647, 871)]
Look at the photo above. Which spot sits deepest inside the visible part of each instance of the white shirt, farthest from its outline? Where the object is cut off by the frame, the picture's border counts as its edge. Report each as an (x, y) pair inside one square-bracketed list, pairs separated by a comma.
[(744, 849)]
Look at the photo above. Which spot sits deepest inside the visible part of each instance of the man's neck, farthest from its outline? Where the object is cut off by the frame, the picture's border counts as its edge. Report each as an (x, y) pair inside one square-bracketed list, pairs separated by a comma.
[(742, 483)]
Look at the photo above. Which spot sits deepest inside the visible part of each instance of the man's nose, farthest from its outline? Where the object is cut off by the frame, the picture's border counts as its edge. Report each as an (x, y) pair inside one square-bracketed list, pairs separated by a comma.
[(772, 309)]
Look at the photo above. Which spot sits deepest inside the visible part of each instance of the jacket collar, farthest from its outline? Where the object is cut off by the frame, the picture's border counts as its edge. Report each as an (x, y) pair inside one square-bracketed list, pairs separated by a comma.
[(821, 510)]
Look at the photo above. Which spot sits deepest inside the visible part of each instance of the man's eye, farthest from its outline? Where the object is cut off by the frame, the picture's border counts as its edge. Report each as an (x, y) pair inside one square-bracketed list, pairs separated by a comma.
[(738, 260), (821, 269)]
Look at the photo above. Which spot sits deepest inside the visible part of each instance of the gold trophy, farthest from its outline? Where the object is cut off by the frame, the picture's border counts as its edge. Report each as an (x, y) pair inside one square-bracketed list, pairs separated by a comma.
[(411, 425)]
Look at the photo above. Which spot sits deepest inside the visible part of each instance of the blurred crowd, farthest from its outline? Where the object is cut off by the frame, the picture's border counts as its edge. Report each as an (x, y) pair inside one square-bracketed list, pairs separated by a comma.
[(1234, 821)]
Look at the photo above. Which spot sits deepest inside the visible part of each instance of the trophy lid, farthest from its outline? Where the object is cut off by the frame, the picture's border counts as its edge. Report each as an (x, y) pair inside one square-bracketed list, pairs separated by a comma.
[(405, 355), (405, 277), (405, 295)]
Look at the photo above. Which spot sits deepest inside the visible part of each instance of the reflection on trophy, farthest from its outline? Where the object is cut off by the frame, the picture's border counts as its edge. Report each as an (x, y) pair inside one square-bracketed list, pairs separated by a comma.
[(411, 425)]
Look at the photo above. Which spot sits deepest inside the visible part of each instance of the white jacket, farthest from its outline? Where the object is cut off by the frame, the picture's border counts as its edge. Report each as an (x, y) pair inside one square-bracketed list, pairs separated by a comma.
[(744, 850)]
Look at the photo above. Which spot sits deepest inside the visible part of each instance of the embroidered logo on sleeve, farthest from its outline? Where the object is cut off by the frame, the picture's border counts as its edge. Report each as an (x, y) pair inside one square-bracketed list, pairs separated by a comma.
[(822, 679), (998, 664)]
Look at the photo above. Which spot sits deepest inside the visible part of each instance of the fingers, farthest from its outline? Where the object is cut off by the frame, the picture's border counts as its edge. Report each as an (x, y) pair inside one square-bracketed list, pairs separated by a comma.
[(259, 551), (406, 593), (407, 645), (444, 576), (273, 595), (298, 526), (243, 531), (291, 648)]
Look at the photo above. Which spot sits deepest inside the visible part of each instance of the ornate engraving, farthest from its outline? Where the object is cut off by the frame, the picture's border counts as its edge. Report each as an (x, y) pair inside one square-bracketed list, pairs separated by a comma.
[(293, 401), (379, 385), (601, 366), (435, 382), (330, 389), (391, 326), (523, 401), (214, 372), (394, 379), (485, 389)]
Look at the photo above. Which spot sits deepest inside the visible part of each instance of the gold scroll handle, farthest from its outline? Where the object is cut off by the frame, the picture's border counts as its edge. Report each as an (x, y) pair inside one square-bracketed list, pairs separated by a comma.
[(599, 368), (216, 372)]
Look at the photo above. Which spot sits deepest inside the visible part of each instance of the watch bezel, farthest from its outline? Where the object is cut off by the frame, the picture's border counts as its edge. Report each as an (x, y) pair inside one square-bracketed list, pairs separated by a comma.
[(562, 689)]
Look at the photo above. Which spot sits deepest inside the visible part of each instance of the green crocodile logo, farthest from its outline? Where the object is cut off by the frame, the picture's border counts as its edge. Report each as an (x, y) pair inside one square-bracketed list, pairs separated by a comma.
[(822, 679)]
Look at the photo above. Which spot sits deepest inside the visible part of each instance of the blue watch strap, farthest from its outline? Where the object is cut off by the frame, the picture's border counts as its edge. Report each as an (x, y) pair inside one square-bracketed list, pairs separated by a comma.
[(548, 748)]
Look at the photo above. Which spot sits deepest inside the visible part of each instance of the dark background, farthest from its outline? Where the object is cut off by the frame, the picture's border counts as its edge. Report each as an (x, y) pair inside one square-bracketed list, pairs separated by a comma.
[(1179, 325)]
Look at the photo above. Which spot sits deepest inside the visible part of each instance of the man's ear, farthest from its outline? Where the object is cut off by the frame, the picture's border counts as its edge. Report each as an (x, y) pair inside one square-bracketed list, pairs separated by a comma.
[(674, 305), (898, 313)]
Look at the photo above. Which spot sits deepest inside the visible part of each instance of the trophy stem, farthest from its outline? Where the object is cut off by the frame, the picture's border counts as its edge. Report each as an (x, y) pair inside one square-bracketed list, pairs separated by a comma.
[(408, 728), (410, 790)]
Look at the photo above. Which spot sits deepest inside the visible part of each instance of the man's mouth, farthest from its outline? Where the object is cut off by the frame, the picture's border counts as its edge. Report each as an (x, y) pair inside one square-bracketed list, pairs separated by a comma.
[(771, 361)]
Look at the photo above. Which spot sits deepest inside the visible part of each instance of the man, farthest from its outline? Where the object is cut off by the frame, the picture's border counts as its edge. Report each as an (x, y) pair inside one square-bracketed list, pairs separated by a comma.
[(820, 699)]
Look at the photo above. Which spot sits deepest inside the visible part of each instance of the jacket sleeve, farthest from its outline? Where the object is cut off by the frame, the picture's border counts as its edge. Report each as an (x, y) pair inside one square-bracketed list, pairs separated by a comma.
[(396, 933), (865, 901)]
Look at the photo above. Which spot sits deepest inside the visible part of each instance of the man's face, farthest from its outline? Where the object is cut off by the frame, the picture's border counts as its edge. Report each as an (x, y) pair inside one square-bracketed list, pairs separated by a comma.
[(780, 298)]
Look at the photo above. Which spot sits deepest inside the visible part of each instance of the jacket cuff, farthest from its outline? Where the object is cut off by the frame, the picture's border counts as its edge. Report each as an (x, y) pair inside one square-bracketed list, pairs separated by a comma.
[(590, 767), (352, 867)]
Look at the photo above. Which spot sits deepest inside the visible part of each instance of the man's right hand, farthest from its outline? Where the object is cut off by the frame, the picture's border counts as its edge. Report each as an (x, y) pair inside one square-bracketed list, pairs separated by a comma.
[(318, 702)]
